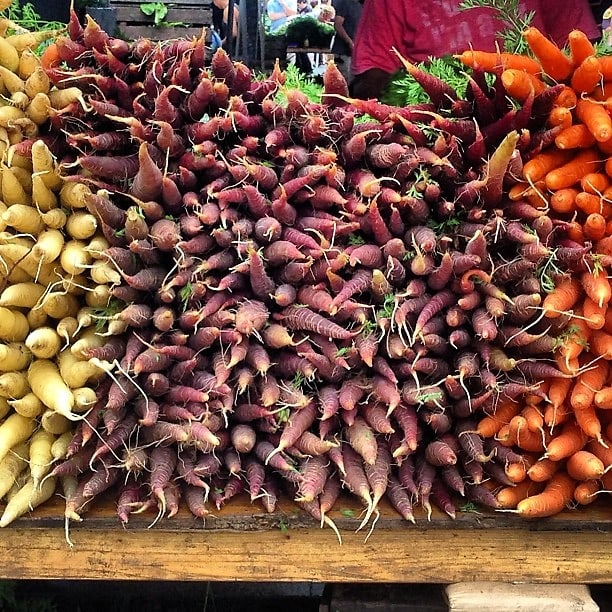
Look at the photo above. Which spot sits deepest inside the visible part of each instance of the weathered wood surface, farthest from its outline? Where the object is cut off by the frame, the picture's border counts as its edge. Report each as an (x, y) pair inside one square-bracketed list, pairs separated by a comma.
[(243, 543), (186, 19), (133, 32)]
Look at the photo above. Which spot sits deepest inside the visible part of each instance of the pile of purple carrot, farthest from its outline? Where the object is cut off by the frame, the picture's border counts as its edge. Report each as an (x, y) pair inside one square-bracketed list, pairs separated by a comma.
[(312, 296)]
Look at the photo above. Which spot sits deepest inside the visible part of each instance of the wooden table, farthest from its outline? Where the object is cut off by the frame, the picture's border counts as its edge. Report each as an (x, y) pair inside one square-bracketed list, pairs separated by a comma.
[(318, 53), (243, 543), (308, 50)]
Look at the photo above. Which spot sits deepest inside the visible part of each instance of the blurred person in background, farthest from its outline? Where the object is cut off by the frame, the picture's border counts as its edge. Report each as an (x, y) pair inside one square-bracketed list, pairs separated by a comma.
[(327, 13), (346, 20), (220, 10), (280, 12), (420, 29), (303, 7)]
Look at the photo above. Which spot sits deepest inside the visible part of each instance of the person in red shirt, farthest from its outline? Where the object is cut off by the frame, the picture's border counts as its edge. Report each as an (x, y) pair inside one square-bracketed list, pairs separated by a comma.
[(420, 29)]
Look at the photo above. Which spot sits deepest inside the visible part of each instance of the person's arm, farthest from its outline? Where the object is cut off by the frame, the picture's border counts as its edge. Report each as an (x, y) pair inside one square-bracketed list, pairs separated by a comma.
[(341, 32), (287, 11), (236, 14)]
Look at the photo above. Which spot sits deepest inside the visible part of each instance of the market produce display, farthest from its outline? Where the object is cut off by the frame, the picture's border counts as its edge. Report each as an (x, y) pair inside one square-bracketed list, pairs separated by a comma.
[(213, 286)]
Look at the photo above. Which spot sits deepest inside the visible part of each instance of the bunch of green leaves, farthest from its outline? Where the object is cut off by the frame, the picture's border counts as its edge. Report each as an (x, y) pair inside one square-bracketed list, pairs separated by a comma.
[(157, 10), (513, 21), (603, 46), (308, 28), (404, 90), (25, 16), (296, 79)]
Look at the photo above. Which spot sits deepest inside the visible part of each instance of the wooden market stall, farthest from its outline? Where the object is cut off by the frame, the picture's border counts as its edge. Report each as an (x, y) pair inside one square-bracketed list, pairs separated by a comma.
[(184, 18), (242, 543)]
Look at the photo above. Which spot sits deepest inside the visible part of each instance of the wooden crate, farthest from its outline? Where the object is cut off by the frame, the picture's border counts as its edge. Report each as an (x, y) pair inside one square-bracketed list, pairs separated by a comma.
[(132, 23), (241, 542)]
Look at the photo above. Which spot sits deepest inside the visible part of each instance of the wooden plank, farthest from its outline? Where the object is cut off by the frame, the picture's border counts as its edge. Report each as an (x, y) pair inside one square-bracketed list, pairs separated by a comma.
[(133, 32), (241, 515), (186, 15), (413, 555), (308, 49), (241, 542), (178, 3)]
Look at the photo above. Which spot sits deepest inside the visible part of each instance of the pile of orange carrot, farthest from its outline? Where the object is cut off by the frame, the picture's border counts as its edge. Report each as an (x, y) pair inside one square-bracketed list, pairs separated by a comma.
[(565, 432)]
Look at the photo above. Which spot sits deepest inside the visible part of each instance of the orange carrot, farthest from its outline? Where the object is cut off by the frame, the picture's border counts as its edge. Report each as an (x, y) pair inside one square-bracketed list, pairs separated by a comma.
[(600, 344), (560, 115), (603, 398), (567, 97), (567, 366), (557, 415), (538, 198), (574, 229), (562, 298), (597, 286), (524, 438), (590, 203), (596, 118), (491, 61), (586, 76), (576, 340), (607, 194), (577, 136), (594, 226), (509, 497), (586, 492), (563, 201), (584, 465), (543, 470), (588, 421), (602, 452), (580, 47), (608, 324), (537, 397), (516, 471), (520, 84), (608, 166), (489, 425), (587, 384), (553, 60), (559, 390), (603, 91), (535, 192), (50, 57), (518, 190), (570, 173), (605, 65), (594, 314), (606, 481), (595, 182), (605, 148), (503, 436), (557, 493), (541, 164), (568, 441), (533, 417)]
